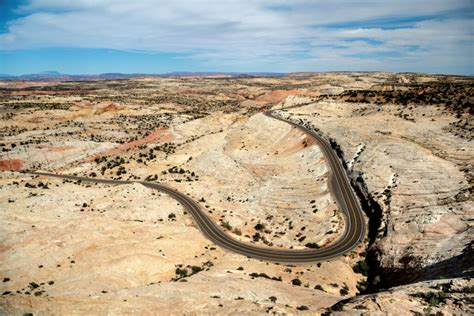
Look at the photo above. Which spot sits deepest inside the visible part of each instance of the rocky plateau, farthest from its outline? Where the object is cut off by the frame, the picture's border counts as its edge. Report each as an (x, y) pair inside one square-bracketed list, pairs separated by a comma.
[(73, 247)]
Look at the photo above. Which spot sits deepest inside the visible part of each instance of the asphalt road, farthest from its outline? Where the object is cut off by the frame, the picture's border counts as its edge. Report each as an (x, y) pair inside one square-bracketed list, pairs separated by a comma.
[(354, 220)]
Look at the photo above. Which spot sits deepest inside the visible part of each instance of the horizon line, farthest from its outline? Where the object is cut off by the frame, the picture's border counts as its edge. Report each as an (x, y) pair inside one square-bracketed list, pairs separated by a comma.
[(53, 74)]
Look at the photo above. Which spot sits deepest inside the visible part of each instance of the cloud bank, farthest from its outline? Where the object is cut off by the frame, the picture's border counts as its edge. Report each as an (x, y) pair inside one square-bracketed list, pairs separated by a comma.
[(300, 35)]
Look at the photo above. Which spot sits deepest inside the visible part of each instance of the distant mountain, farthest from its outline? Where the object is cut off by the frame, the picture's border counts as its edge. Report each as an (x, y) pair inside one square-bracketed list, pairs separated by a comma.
[(44, 75), (7, 77), (57, 76), (50, 72), (228, 74)]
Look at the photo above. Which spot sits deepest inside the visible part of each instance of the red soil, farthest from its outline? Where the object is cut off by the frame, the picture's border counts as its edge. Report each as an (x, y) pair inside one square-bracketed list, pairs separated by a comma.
[(99, 108), (158, 136), (107, 107), (58, 149), (35, 120), (11, 164)]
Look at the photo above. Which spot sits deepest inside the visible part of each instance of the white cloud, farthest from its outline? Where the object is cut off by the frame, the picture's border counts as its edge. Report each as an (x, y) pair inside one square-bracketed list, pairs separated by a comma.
[(289, 35)]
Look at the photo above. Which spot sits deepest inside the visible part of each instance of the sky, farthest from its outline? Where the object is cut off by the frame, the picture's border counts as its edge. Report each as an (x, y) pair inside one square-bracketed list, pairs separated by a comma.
[(151, 36)]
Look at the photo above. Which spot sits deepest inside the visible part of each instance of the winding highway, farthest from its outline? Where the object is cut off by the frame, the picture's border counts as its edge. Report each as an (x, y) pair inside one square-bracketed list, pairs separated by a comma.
[(339, 184)]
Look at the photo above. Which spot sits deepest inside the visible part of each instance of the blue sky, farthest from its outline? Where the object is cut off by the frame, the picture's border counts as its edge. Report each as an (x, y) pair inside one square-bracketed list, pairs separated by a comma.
[(149, 36)]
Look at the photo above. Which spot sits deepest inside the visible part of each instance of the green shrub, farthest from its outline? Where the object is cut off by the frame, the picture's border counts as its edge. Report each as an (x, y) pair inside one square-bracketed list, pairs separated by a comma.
[(468, 289), (361, 267), (433, 298)]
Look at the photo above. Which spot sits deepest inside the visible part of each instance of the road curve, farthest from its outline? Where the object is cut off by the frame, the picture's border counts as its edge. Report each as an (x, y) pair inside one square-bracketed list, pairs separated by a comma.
[(353, 234)]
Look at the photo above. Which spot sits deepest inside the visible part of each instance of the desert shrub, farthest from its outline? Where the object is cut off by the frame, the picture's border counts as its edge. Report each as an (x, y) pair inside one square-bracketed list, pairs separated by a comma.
[(196, 269), (226, 225), (433, 298), (344, 290), (318, 287), (259, 275), (259, 226), (468, 289), (361, 267), (296, 282), (256, 237), (237, 231), (181, 272)]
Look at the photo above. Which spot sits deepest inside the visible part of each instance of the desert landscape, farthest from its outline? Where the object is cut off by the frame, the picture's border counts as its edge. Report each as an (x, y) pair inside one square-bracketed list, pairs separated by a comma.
[(70, 246)]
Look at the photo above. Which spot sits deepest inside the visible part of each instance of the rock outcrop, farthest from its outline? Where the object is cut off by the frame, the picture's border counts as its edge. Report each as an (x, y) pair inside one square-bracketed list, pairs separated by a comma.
[(414, 171)]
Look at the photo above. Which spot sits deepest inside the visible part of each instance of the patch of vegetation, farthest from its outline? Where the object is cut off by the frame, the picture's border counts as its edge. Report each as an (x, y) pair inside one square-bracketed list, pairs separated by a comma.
[(259, 226), (33, 285), (361, 267), (181, 272), (319, 287), (296, 282), (433, 299), (302, 308), (344, 290), (265, 276), (237, 231), (196, 269), (312, 245), (468, 289), (226, 225)]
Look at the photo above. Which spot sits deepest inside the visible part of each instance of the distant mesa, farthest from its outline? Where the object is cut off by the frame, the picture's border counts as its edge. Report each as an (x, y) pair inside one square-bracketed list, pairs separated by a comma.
[(51, 75)]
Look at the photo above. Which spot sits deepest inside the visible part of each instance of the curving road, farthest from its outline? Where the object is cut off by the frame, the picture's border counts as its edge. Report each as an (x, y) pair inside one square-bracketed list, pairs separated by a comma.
[(353, 234)]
